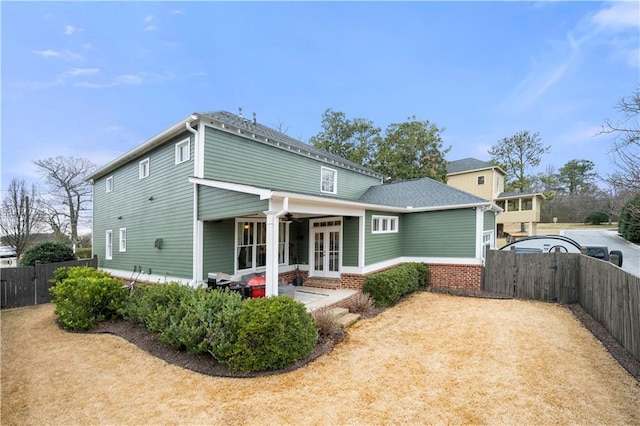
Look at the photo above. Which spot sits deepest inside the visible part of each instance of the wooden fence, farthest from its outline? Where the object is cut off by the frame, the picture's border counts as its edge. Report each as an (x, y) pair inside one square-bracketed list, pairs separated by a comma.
[(29, 285), (609, 294)]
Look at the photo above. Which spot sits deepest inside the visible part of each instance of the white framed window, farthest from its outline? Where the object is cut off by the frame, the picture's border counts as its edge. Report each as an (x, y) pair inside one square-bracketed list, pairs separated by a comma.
[(183, 151), (108, 252), (123, 240), (251, 244), (384, 224), (143, 168), (480, 180), (109, 184), (329, 180)]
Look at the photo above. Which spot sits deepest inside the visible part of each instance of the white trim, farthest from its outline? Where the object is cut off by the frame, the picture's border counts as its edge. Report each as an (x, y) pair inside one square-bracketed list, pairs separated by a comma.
[(334, 187), (178, 150), (109, 184), (142, 168), (381, 220), (340, 228), (361, 240), (406, 259), (119, 273), (122, 247), (479, 231), (264, 194), (198, 241), (108, 244)]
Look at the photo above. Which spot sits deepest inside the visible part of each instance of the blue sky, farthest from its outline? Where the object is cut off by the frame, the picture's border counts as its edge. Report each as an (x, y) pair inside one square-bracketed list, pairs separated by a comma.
[(97, 79)]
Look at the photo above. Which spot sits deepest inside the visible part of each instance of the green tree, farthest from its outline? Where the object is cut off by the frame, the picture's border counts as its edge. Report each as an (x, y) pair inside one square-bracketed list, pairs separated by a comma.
[(412, 149), (407, 150), (517, 155), (356, 140), (577, 176)]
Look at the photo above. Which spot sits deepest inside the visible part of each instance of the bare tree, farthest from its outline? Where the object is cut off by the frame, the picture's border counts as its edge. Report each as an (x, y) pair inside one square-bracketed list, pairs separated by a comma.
[(21, 216), (70, 193), (626, 143)]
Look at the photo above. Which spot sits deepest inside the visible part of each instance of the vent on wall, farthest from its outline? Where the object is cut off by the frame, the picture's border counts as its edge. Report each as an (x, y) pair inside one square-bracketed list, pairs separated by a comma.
[(158, 243)]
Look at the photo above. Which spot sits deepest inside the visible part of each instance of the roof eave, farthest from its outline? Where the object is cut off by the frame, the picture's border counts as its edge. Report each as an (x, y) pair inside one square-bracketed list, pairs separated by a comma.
[(146, 146)]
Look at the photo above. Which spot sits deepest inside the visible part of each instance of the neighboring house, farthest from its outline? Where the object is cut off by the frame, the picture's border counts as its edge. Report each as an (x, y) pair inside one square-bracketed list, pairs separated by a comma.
[(486, 180), (217, 192)]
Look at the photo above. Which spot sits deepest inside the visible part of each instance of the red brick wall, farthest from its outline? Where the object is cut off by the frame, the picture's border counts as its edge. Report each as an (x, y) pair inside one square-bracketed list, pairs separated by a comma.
[(459, 277)]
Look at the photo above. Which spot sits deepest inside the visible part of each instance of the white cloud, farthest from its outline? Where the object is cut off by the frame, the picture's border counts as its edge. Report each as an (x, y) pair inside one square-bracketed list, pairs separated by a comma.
[(82, 71), (150, 28), (129, 79), (148, 18), (619, 17), (46, 53), (70, 29), (176, 12)]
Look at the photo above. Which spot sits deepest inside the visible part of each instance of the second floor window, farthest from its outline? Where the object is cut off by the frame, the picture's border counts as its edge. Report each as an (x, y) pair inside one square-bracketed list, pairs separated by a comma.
[(143, 168), (182, 151), (328, 180), (480, 180)]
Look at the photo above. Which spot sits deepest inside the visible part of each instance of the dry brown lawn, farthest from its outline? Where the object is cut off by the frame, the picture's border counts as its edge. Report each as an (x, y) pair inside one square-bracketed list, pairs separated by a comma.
[(432, 359)]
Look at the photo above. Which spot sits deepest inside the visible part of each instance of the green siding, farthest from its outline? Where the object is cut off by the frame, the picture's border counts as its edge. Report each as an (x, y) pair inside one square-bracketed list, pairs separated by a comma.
[(449, 233), (489, 221), (218, 247), (381, 247), (168, 216), (350, 231), (233, 158), (299, 239), (217, 203)]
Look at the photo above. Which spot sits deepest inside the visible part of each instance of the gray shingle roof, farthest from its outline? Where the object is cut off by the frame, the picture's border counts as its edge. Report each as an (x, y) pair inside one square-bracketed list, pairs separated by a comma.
[(467, 164), (250, 126), (417, 193), (517, 194)]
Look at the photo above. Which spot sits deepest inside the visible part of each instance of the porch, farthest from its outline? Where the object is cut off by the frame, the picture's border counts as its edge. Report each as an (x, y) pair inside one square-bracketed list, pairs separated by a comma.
[(315, 298)]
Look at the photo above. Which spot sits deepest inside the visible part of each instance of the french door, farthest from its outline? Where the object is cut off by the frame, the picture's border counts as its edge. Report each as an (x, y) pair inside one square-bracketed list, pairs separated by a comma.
[(325, 256)]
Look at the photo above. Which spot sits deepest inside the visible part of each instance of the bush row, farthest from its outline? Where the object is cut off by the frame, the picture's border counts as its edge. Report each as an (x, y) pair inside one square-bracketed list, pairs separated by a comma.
[(389, 286), (251, 335)]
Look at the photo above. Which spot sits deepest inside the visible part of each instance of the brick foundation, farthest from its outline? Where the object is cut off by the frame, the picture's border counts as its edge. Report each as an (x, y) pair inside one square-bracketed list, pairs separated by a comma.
[(457, 277)]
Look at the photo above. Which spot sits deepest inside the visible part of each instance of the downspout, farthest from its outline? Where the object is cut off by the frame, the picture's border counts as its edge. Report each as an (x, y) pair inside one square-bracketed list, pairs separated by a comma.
[(196, 272), (272, 248)]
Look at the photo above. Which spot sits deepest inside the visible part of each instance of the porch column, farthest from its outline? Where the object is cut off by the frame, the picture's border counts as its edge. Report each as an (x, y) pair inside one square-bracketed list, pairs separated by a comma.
[(271, 273)]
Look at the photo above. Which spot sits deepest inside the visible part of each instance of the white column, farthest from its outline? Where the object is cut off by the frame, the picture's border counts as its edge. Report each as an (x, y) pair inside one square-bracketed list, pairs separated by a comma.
[(479, 231), (271, 273)]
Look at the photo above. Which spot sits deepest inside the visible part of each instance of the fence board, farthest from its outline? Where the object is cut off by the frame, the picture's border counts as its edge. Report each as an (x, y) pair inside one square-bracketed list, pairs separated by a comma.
[(499, 272), (29, 285)]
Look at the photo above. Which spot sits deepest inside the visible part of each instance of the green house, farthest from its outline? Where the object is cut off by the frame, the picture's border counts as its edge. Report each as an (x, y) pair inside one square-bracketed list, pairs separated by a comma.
[(220, 193)]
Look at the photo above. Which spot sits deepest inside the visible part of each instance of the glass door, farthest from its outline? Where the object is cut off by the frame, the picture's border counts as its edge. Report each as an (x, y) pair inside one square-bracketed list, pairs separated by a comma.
[(326, 252)]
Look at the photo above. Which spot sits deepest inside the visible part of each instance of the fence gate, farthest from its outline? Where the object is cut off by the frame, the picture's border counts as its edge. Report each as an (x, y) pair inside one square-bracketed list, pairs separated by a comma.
[(537, 276)]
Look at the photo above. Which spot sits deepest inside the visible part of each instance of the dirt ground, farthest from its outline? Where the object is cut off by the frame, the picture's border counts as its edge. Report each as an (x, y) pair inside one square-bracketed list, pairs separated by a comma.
[(434, 358)]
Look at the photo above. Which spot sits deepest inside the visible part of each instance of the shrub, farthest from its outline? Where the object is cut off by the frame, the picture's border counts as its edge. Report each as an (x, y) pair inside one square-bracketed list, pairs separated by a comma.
[(47, 252), (182, 317), (597, 218), (327, 324), (268, 334), (629, 221), (389, 286), (83, 253), (85, 296), (362, 304)]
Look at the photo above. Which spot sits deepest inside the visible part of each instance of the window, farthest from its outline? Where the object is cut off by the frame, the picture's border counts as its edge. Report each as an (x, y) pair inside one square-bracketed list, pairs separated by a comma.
[(527, 204), (513, 205), (143, 168), (329, 178), (108, 254), (384, 224), (109, 184), (183, 151), (480, 180), (123, 240), (251, 246)]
